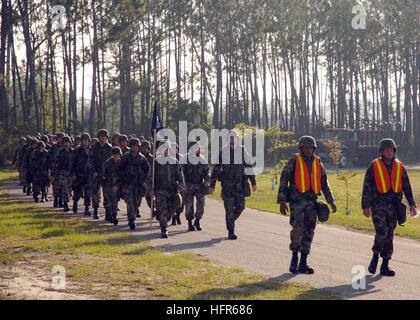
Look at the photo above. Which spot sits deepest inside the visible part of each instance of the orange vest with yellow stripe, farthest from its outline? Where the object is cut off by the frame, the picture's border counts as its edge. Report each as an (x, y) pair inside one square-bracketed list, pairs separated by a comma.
[(305, 181), (383, 182)]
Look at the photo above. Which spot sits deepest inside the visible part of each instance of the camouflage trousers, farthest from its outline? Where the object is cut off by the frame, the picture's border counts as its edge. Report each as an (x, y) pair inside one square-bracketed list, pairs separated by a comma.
[(56, 188), (193, 190), (21, 175), (234, 202), (64, 183), (166, 204), (82, 187), (132, 198), (303, 221), (112, 197), (40, 184), (96, 195), (385, 221)]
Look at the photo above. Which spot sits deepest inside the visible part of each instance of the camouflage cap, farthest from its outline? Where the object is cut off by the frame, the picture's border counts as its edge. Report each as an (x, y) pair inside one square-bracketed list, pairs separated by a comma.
[(116, 150), (192, 143), (134, 142), (145, 144), (66, 139), (44, 138), (22, 139), (102, 132), (122, 137), (141, 138), (77, 138), (387, 143), (307, 141), (115, 136), (93, 141), (85, 136), (59, 135)]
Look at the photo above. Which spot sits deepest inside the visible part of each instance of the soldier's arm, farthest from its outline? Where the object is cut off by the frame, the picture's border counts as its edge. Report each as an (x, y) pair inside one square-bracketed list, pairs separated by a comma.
[(180, 177), (367, 193), (247, 164), (149, 184), (215, 172), (206, 174), (407, 189), (326, 189), (285, 178)]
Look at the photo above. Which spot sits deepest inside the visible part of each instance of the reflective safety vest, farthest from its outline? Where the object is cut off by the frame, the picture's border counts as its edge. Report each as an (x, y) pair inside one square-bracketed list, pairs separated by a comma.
[(383, 182), (303, 180)]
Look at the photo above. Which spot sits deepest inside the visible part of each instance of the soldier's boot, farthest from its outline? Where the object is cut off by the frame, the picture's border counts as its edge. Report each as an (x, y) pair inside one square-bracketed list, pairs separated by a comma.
[(107, 215), (46, 198), (163, 232), (95, 213), (87, 212), (115, 220), (231, 230), (24, 188), (173, 223), (178, 218), (197, 224), (66, 206), (190, 226), (294, 263), (385, 270), (131, 224), (138, 215), (74, 206), (60, 202), (55, 202), (28, 190), (373, 263), (303, 266), (42, 199), (36, 199)]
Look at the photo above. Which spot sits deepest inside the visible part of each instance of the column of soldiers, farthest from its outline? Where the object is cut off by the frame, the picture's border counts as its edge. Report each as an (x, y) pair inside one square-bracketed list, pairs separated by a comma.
[(124, 171)]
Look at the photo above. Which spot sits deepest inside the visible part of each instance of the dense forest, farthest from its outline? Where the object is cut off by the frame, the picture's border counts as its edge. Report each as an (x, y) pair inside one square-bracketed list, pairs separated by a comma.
[(299, 65)]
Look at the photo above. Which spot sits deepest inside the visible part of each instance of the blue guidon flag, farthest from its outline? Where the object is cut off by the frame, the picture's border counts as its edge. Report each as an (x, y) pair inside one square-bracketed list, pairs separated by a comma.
[(156, 123)]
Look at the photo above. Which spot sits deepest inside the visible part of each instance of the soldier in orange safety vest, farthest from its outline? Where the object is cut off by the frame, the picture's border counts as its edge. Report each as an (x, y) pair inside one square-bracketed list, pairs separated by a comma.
[(385, 181), (301, 182)]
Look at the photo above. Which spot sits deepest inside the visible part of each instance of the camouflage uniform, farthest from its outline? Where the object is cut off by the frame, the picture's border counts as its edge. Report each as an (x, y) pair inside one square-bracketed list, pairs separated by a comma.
[(62, 173), (384, 207), (196, 177), (40, 162), (17, 158), (234, 182), (97, 156), (27, 166), (168, 180), (133, 174), (149, 159), (53, 155), (304, 207), (110, 180), (82, 186)]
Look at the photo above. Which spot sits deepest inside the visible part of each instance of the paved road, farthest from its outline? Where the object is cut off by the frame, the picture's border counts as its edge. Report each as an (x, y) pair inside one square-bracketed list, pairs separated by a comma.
[(262, 248)]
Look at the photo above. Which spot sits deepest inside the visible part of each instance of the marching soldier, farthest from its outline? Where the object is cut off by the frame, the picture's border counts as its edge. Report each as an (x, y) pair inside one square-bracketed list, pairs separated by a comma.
[(234, 182), (177, 216), (82, 174), (145, 151), (27, 164), (62, 171), (110, 182), (385, 182), (197, 179), (114, 140), (301, 182), (98, 154), (133, 173), (122, 143), (40, 164), (58, 201), (169, 180)]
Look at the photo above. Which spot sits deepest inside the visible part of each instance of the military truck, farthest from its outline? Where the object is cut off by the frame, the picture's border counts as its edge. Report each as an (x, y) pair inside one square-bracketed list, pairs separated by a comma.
[(358, 148)]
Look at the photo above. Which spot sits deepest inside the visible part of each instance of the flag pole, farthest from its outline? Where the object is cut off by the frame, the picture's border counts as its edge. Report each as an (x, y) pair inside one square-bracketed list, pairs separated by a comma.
[(153, 175)]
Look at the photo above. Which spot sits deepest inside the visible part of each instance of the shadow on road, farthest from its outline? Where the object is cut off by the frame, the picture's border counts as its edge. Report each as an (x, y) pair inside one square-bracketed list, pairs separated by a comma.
[(346, 291), (190, 245)]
